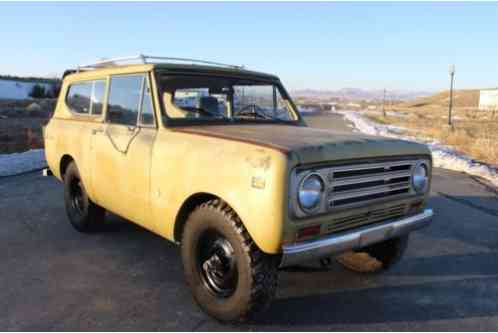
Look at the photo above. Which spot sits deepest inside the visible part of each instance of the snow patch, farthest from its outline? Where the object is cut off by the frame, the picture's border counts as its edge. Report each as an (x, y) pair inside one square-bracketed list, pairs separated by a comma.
[(443, 156), (14, 89), (17, 163)]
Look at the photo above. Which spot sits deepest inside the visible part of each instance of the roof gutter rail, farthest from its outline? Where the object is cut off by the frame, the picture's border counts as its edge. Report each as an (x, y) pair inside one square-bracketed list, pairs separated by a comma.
[(147, 59)]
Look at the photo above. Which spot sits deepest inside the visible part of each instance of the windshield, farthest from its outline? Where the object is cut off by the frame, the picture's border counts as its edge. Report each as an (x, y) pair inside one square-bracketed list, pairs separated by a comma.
[(219, 98)]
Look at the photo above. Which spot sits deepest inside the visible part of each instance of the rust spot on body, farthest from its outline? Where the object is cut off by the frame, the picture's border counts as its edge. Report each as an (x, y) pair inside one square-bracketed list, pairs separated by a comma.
[(259, 162), (233, 138)]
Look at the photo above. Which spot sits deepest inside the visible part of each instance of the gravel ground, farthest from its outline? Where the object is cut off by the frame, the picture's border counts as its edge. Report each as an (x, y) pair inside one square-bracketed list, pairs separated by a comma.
[(126, 278)]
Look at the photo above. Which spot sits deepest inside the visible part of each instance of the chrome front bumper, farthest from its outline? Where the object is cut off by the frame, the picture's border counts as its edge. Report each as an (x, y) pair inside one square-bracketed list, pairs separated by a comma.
[(353, 239)]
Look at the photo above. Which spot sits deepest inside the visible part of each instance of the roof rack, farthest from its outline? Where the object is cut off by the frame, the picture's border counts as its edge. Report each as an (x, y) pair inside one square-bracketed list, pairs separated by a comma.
[(145, 59)]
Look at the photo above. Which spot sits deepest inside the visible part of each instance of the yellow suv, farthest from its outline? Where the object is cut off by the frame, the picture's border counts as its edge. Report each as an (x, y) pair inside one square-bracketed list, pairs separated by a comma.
[(218, 159)]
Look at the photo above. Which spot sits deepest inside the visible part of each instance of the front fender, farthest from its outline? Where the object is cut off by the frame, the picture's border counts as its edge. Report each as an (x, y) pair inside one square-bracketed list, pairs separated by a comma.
[(251, 179)]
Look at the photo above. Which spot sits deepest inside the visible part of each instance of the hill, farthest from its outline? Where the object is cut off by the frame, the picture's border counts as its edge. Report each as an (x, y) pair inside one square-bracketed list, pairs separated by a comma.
[(357, 94), (468, 98)]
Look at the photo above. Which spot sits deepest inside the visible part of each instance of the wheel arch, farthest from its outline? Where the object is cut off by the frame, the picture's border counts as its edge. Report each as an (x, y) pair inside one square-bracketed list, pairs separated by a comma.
[(187, 207), (258, 235), (64, 163)]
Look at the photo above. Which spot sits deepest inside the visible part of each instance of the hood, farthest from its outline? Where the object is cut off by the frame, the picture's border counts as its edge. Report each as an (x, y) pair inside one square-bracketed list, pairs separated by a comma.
[(310, 145)]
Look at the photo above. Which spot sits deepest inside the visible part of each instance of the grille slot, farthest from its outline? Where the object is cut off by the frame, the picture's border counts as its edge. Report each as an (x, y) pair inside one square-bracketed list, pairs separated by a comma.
[(372, 216), (367, 184), (368, 197), (357, 184)]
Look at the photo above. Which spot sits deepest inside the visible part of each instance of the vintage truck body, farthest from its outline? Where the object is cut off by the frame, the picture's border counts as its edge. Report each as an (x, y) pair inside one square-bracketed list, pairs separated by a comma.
[(157, 173)]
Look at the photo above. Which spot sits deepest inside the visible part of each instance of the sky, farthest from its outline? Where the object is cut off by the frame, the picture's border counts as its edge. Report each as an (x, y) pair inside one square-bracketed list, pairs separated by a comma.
[(404, 46)]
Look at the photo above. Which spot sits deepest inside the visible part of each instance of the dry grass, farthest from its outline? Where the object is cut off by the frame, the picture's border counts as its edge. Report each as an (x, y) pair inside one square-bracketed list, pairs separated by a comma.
[(461, 99), (474, 133)]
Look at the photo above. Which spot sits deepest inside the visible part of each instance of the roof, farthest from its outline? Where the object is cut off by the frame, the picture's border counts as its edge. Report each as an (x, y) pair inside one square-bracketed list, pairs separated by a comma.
[(178, 65), (217, 69)]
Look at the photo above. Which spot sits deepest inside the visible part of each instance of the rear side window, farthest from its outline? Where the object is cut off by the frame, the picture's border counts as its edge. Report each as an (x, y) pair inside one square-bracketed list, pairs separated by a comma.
[(98, 94), (87, 97), (124, 99), (78, 97)]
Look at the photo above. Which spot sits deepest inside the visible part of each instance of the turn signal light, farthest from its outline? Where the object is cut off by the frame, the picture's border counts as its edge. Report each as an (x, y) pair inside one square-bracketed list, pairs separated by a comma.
[(308, 232), (416, 206)]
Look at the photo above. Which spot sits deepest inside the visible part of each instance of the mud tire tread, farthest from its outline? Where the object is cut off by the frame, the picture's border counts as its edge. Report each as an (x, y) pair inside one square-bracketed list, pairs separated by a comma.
[(94, 215), (263, 267)]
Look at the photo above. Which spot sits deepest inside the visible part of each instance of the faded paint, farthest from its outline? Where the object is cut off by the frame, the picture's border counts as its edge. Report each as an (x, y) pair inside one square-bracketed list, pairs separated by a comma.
[(312, 145), (145, 175), (259, 162)]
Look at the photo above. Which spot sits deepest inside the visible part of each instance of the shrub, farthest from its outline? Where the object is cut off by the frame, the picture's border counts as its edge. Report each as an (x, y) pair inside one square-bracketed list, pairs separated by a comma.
[(38, 91)]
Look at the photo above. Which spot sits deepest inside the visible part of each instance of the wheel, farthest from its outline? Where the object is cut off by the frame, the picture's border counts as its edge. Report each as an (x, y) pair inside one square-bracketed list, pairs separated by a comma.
[(376, 257), (83, 214), (230, 278)]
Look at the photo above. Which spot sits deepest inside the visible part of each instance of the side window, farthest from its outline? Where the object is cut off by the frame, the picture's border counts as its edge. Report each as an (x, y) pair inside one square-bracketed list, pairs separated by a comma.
[(78, 97), (124, 99), (98, 93), (281, 109), (147, 114)]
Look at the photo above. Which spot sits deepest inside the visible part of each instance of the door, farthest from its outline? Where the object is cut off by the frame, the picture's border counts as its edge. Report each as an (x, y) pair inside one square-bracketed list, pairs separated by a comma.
[(123, 149)]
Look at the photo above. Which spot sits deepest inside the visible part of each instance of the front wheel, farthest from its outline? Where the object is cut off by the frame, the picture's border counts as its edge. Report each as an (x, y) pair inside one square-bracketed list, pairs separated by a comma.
[(375, 258), (230, 278)]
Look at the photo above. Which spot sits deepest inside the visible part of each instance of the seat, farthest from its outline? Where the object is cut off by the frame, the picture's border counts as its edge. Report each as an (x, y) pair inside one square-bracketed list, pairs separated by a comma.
[(209, 104)]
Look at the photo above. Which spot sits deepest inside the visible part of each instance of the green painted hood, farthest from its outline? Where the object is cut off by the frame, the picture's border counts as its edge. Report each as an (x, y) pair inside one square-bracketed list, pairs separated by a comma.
[(306, 145)]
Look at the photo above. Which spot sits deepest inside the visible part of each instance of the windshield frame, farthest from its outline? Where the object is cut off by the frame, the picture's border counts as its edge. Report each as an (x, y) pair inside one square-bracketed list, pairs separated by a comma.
[(168, 121)]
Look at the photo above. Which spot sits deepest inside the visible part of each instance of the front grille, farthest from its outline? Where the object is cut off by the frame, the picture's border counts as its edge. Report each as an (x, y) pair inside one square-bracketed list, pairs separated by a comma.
[(369, 217), (357, 184)]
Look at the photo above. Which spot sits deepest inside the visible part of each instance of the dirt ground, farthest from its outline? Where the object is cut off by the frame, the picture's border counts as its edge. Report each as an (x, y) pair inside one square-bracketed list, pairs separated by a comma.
[(21, 123)]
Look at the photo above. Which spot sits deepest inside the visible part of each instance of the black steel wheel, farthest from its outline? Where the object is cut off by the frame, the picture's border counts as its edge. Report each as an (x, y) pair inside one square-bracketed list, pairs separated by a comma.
[(217, 263), (84, 215), (230, 277), (76, 193)]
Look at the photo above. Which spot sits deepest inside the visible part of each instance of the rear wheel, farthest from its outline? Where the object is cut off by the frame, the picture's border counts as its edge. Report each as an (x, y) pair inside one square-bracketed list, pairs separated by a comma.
[(376, 257), (84, 215), (230, 278)]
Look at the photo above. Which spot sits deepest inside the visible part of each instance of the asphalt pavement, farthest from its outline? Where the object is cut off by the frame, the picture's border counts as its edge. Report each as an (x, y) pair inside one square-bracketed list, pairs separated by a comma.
[(126, 278)]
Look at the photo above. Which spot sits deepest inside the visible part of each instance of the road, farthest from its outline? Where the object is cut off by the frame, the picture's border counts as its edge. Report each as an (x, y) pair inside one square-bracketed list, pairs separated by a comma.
[(126, 278)]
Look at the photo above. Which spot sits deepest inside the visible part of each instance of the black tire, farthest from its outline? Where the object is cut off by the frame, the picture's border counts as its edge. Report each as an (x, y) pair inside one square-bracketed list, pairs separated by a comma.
[(375, 258), (230, 278), (84, 215)]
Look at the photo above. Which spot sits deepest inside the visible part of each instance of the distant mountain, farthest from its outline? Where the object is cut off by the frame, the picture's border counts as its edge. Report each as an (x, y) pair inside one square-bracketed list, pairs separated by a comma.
[(358, 94)]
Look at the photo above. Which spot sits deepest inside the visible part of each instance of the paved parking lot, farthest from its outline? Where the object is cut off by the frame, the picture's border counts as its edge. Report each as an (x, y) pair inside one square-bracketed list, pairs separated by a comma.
[(126, 278)]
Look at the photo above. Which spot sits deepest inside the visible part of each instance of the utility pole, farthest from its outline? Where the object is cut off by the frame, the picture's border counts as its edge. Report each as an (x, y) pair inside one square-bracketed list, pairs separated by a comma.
[(384, 103), (450, 108)]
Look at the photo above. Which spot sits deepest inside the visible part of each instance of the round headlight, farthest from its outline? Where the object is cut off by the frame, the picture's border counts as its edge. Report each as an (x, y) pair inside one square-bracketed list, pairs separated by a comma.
[(420, 178), (310, 192)]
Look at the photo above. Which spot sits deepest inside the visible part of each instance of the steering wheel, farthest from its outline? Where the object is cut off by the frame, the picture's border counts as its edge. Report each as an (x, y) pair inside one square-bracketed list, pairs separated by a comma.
[(201, 111), (256, 111)]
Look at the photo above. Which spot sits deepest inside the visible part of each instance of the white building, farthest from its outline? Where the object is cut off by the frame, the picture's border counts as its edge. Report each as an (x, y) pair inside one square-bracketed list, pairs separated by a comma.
[(488, 99)]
